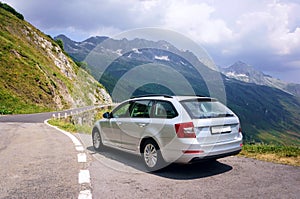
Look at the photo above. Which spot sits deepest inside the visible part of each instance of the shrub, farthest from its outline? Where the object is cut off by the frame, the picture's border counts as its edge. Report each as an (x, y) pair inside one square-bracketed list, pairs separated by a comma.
[(60, 43), (11, 10)]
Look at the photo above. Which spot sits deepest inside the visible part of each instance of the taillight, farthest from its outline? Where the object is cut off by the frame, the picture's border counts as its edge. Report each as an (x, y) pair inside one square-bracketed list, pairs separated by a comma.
[(240, 130), (185, 130)]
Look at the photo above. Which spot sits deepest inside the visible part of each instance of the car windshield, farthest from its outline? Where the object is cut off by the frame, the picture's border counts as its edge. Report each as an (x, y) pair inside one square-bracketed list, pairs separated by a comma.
[(206, 108)]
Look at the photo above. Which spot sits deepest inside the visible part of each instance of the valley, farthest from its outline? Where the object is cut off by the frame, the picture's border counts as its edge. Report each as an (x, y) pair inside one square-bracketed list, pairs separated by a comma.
[(269, 112)]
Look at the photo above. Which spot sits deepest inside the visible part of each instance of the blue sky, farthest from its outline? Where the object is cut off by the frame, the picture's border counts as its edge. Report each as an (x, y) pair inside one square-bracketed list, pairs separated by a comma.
[(262, 33)]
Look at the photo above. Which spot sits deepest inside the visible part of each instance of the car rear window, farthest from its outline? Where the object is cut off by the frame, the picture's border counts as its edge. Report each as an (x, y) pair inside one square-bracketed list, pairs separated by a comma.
[(206, 108)]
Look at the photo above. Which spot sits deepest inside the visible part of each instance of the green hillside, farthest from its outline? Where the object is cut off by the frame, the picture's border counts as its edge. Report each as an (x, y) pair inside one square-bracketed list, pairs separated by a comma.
[(35, 75)]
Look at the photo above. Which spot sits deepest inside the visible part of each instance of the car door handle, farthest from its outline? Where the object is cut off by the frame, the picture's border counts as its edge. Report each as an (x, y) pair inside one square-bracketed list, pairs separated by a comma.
[(119, 123), (142, 124)]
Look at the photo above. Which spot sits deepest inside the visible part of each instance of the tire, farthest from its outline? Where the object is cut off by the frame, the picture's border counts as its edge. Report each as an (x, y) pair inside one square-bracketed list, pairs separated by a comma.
[(152, 157), (97, 140)]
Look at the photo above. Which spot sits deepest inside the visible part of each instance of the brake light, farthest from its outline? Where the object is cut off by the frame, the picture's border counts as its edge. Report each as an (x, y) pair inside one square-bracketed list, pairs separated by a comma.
[(185, 130), (193, 151)]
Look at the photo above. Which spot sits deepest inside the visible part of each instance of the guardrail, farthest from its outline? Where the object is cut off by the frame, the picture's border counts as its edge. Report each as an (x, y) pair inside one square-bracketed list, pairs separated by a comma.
[(82, 117)]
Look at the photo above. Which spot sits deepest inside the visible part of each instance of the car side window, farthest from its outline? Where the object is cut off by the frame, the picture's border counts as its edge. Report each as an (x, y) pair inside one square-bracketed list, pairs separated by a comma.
[(141, 109), (164, 109), (122, 111)]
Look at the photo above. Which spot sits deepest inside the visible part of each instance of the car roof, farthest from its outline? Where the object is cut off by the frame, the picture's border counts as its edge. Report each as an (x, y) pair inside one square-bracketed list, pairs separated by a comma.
[(182, 98), (178, 98)]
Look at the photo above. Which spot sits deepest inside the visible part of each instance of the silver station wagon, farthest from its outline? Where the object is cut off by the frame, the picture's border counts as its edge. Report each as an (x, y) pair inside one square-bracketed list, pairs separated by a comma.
[(165, 129)]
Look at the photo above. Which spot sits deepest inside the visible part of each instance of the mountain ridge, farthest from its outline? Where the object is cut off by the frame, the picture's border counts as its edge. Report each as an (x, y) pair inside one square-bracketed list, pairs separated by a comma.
[(267, 114), (247, 73), (72, 47)]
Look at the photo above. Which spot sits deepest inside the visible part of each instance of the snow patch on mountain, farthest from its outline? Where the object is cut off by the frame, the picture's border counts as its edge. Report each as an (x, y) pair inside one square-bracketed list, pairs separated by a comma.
[(164, 58), (241, 77), (135, 50), (247, 73)]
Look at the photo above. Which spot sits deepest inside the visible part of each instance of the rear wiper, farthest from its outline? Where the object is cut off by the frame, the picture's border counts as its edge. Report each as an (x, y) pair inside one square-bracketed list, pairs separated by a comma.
[(225, 115), (203, 116), (214, 115)]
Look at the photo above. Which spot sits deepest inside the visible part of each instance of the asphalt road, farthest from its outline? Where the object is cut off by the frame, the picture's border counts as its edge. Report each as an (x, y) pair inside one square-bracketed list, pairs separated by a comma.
[(37, 161), (38, 117), (116, 174)]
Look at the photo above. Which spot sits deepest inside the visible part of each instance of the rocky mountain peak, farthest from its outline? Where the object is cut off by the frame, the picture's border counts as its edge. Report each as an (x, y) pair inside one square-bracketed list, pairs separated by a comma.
[(247, 73), (54, 52)]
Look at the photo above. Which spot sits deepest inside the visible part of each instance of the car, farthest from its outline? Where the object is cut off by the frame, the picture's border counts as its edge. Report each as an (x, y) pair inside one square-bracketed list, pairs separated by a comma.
[(165, 129)]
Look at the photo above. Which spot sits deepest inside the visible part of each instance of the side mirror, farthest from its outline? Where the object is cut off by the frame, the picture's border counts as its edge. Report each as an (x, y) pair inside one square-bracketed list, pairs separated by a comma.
[(106, 115)]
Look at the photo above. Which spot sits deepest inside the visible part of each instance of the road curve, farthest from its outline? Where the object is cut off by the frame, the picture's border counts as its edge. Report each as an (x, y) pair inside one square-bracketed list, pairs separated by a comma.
[(36, 161), (39, 117)]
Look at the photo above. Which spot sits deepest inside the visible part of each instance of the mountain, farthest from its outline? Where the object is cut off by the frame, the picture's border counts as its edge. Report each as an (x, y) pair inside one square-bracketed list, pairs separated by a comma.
[(133, 67), (246, 73), (36, 75), (79, 50)]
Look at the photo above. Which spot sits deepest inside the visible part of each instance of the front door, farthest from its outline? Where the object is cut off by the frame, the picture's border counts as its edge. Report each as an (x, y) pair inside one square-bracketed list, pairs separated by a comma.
[(133, 128), (120, 114)]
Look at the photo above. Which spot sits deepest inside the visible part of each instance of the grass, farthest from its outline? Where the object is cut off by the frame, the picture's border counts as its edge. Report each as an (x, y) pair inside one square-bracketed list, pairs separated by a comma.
[(278, 138), (63, 124), (289, 155), (69, 124), (24, 85)]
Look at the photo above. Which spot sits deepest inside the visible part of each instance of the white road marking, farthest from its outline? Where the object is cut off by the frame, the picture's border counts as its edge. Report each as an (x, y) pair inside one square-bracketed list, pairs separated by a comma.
[(86, 194), (81, 157), (72, 137), (84, 177), (79, 148)]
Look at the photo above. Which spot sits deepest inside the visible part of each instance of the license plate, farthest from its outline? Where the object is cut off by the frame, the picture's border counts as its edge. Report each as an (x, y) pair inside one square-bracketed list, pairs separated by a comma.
[(220, 129)]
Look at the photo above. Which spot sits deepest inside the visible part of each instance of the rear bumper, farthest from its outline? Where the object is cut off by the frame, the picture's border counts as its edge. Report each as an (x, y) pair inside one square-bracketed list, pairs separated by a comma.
[(200, 159), (202, 152)]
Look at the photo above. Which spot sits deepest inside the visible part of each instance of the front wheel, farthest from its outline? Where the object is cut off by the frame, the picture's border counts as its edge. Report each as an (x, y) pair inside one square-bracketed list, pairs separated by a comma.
[(152, 157), (97, 141)]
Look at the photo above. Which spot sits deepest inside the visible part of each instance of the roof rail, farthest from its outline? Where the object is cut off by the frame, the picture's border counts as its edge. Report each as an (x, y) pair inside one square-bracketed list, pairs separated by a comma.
[(194, 95), (152, 95)]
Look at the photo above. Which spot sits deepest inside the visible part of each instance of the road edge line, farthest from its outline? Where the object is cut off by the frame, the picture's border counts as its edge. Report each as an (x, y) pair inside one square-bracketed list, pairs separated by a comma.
[(86, 193)]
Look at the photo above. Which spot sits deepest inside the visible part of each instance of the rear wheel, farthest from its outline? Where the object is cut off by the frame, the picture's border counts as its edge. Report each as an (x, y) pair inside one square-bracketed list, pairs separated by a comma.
[(97, 141), (152, 157)]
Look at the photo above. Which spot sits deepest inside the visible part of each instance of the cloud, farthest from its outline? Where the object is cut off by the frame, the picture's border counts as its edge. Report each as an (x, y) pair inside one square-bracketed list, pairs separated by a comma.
[(264, 33), (196, 20), (270, 28)]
